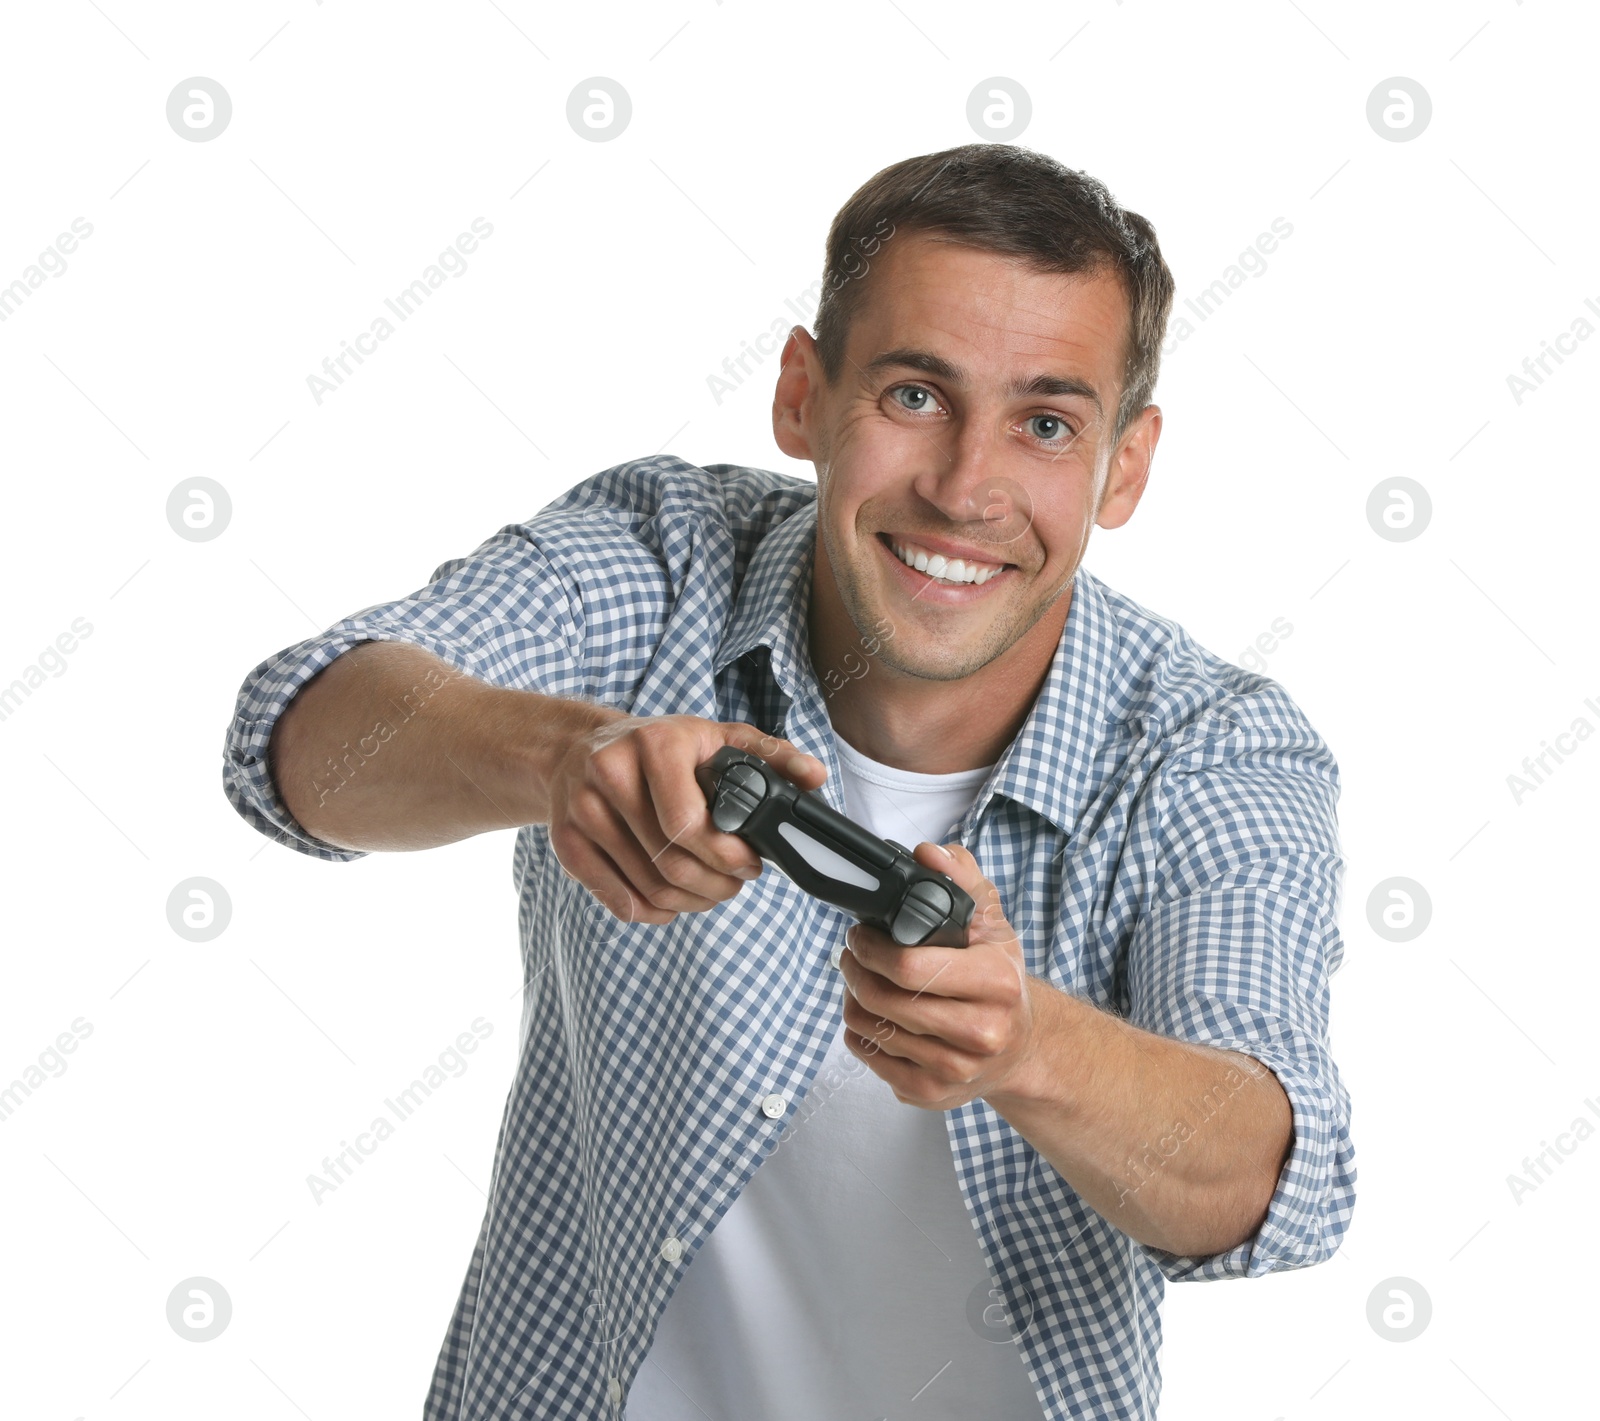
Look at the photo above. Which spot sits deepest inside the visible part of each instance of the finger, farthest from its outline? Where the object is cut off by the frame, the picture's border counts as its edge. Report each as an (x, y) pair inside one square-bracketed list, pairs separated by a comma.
[(910, 972), (787, 759), (905, 983), (669, 876), (684, 816), (881, 1033), (598, 872), (908, 1059), (931, 1009), (988, 915), (673, 874), (706, 860)]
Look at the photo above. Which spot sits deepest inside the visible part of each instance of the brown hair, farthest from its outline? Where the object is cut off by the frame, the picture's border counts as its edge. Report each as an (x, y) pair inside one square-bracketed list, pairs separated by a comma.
[(1001, 198)]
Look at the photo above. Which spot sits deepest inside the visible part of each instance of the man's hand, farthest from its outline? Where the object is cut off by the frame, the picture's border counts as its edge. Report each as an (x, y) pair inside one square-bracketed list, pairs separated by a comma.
[(1097, 1097), (942, 1025), (630, 822)]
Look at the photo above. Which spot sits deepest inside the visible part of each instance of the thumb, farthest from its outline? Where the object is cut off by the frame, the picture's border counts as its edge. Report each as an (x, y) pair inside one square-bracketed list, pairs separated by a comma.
[(788, 759)]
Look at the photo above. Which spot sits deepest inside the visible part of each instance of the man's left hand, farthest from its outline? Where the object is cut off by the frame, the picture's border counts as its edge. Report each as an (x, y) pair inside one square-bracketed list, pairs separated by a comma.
[(942, 1025)]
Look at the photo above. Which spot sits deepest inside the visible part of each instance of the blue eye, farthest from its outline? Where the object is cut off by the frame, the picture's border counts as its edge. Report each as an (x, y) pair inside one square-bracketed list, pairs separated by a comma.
[(1057, 428), (925, 395)]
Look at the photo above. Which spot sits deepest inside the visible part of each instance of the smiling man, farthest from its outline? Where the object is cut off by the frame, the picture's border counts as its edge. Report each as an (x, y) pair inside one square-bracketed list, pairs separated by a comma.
[(759, 1161)]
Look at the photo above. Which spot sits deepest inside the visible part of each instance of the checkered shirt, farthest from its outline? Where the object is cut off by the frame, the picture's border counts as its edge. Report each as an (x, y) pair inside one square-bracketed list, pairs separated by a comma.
[(1162, 834)]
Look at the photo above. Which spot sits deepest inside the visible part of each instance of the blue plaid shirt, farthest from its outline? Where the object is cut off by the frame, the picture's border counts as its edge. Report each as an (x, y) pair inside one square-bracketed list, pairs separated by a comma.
[(1161, 831)]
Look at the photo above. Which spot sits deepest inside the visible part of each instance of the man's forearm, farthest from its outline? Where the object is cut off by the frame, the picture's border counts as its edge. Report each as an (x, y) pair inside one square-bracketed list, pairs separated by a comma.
[(1179, 1146), (391, 748)]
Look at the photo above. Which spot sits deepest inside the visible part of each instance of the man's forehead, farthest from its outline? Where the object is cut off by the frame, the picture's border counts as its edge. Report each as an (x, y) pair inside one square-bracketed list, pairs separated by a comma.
[(965, 306)]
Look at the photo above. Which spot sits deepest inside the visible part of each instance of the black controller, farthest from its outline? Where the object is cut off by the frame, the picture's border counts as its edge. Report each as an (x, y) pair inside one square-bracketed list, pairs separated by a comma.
[(833, 858)]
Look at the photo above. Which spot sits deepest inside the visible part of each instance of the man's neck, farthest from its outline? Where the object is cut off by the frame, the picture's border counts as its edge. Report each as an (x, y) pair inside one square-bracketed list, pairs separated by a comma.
[(921, 725)]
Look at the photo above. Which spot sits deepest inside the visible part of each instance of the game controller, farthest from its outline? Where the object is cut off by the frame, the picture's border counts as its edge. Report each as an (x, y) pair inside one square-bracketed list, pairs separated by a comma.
[(833, 858)]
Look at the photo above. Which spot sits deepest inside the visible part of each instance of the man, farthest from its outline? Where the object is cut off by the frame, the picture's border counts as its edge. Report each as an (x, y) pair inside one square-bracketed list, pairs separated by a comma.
[(1007, 1148)]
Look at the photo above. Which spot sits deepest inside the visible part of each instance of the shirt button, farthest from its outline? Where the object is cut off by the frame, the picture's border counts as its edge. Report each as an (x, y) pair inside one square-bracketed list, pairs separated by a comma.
[(837, 953), (614, 1388), (672, 1250), (774, 1106)]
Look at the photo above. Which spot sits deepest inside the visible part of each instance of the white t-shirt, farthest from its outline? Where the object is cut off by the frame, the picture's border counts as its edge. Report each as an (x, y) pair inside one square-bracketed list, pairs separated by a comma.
[(846, 1280)]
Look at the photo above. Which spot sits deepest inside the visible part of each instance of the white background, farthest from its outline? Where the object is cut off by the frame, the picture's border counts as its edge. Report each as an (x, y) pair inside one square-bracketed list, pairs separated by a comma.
[(178, 341)]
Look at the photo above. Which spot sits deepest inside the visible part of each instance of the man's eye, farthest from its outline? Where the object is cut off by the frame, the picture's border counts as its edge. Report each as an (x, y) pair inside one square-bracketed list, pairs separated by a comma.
[(912, 397), (1048, 427)]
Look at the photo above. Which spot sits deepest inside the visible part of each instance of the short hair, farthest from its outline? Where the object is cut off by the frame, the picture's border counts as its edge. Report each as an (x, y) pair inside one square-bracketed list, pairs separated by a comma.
[(1002, 198)]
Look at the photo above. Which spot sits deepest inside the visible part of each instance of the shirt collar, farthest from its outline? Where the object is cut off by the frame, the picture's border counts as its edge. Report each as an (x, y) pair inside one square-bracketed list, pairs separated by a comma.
[(1073, 733), (773, 603)]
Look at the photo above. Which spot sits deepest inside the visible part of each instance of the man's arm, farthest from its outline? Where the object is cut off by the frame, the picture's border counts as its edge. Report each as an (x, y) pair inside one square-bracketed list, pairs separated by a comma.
[(1180, 1146), (390, 747), (1206, 1118)]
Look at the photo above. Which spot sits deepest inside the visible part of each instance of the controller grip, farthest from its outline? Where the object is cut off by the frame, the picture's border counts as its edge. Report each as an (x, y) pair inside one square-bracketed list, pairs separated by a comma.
[(914, 905)]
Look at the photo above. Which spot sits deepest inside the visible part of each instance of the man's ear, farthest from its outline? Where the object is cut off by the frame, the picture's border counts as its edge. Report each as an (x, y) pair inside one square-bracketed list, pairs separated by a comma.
[(1130, 469), (795, 399)]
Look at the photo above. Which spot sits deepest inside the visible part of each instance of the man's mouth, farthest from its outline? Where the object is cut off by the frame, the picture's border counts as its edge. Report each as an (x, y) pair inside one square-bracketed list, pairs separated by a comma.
[(943, 571)]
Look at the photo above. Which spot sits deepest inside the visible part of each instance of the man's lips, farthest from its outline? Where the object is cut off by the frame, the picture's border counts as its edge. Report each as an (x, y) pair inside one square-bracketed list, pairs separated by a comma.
[(925, 588), (948, 550)]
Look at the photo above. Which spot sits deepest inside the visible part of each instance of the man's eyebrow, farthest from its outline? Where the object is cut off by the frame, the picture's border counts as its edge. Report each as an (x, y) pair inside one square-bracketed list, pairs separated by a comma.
[(937, 366)]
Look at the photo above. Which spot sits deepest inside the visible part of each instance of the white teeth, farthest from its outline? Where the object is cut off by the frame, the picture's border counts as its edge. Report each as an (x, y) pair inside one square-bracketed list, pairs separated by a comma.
[(935, 565)]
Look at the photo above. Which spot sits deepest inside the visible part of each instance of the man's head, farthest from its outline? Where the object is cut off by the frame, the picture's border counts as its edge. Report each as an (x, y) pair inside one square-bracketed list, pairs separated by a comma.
[(988, 339), (1012, 202)]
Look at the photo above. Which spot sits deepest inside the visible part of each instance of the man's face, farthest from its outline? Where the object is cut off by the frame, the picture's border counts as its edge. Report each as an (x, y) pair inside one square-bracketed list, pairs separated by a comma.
[(972, 415)]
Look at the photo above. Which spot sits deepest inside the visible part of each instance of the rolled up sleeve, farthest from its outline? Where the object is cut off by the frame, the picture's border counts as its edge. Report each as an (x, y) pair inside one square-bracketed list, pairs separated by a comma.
[(502, 614), (1235, 952)]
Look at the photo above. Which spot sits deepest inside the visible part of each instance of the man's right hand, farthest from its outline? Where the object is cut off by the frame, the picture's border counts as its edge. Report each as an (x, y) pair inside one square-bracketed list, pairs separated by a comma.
[(630, 822)]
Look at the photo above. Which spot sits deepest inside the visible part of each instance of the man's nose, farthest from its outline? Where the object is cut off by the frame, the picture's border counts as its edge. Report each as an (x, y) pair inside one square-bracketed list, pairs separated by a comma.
[(967, 480)]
